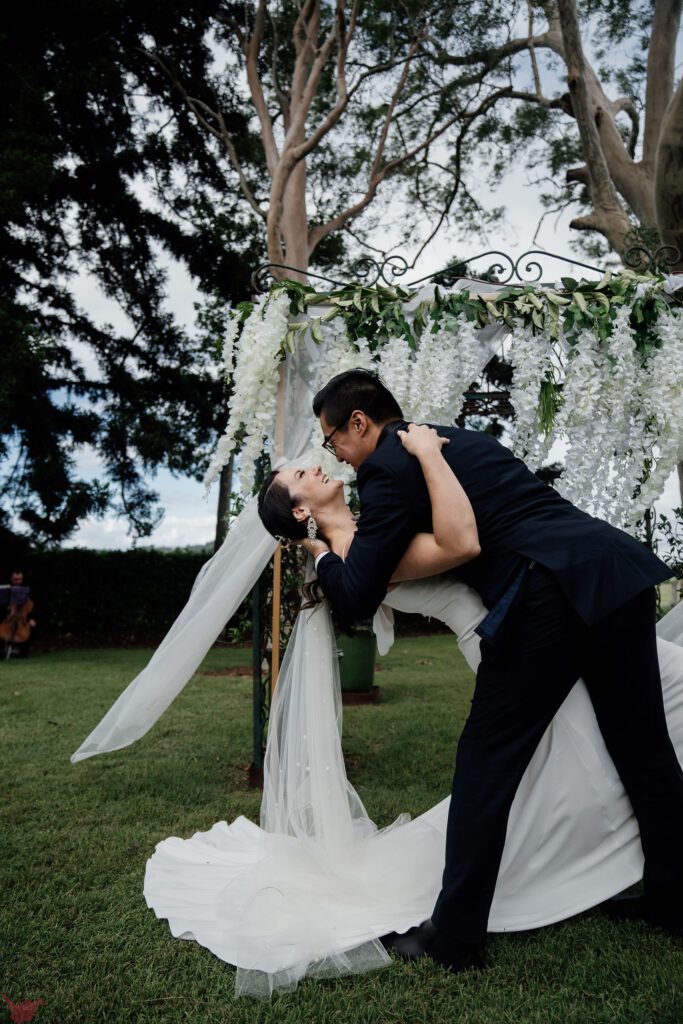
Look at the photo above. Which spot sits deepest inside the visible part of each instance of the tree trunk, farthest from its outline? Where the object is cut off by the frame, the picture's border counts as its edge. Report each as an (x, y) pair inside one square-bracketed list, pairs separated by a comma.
[(661, 70), (669, 177), (223, 510), (632, 180), (295, 222), (680, 491), (287, 223), (608, 216)]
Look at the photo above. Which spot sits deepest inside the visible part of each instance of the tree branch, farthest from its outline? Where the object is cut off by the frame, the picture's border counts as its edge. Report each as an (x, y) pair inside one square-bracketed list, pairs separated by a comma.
[(362, 242), (532, 97), (224, 135), (283, 99), (250, 48), (579, 174), (547, 213), (379, 152), (377, 174), (201, 110), (590, 222), (300, 36), (632, 180), (627, 104), (669, 175), (550, 39), (450, 199), (532, 51), (334, 115), (306, 79)]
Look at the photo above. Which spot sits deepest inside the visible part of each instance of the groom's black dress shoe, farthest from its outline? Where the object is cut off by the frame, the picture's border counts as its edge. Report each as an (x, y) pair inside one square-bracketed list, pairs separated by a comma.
[(636, 907), (425, 941)]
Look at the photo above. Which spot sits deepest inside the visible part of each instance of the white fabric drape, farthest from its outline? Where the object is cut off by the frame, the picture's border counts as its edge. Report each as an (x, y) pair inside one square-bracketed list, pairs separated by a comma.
[(670, 627), (224, 582)]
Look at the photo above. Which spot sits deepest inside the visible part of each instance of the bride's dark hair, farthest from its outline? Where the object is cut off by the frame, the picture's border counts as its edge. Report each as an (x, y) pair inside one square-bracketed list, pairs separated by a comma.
[(275, 504)]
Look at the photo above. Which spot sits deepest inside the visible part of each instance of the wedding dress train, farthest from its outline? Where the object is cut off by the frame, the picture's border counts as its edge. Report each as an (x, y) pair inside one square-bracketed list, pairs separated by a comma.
[(313, 889)]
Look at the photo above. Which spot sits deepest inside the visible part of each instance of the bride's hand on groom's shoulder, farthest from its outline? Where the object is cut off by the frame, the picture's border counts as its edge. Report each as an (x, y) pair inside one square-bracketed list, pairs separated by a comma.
[(419, 439)]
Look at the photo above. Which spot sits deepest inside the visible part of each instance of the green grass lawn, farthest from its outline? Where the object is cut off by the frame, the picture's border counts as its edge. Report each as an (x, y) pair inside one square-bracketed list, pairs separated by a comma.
[(75, 930)]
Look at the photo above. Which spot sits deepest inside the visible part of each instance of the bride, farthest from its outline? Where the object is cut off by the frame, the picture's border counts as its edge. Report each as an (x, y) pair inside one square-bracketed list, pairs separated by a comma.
[(308, 892)]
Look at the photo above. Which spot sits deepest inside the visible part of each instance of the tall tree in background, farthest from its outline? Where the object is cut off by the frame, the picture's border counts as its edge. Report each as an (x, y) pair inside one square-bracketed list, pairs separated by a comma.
[(344, 98), (92, 184)]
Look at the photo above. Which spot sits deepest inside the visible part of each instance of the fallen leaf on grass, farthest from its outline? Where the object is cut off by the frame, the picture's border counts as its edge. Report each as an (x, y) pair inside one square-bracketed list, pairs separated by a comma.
[(22, 1013)]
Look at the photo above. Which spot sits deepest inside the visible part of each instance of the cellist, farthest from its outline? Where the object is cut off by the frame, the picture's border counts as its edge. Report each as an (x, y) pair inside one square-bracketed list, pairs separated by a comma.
[(16, 628)]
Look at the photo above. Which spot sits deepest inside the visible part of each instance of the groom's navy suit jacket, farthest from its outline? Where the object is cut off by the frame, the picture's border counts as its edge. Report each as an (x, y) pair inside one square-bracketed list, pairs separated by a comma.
[(519, 519)]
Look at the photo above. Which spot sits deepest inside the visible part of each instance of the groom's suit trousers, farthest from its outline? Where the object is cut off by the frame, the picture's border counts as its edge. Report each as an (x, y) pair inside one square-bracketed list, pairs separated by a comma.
[(521, 683)]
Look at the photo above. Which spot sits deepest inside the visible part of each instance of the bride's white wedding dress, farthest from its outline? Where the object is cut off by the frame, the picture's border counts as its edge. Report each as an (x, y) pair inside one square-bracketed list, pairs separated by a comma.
[(311, 891)]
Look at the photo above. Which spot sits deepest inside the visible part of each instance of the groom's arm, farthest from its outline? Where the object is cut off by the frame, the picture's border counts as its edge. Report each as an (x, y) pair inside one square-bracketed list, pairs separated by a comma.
[(356, 588)]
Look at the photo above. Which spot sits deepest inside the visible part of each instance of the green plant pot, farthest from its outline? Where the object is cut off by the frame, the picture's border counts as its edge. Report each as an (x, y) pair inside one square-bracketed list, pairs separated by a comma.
[(356, 662)]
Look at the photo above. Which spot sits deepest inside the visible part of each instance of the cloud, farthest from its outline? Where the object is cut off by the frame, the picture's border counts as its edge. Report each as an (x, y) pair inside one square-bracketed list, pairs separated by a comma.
[(190, 514)]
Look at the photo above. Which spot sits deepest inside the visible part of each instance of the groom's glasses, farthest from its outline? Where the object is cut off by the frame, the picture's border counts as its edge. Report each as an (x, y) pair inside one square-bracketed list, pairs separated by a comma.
[(328, 444)]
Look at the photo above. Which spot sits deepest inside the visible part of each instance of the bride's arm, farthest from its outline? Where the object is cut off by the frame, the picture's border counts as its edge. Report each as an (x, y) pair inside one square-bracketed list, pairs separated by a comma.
[(455, 539)]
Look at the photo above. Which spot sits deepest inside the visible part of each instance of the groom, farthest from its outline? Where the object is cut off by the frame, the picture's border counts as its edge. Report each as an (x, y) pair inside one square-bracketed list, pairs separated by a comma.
[(568, 596)]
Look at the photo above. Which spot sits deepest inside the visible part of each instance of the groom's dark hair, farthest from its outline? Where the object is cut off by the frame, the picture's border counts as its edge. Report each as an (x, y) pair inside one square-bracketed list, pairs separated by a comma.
[(356, 389)]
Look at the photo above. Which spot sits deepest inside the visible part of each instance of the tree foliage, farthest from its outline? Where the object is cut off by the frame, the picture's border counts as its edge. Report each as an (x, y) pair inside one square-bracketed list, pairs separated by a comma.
[(93, 184)]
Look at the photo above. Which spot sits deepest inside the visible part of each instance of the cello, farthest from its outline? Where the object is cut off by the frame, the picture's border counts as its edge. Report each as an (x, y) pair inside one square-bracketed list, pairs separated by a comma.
[(16, 627)]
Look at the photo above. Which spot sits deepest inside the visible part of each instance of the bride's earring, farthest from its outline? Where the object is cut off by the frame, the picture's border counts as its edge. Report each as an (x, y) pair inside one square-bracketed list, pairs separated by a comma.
[(311, 528)]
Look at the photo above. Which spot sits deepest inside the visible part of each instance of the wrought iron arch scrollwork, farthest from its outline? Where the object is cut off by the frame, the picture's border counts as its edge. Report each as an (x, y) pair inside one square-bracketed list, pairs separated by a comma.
[(263, 277), (504, 269), (370, 271), (662, 259)]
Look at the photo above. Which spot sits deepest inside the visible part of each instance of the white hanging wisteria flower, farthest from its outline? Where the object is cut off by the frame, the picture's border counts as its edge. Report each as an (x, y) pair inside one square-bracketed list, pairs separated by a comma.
[(577, 424), (661, 402), (337, 354), (255, 381), (446, 362), (431, 376), (467, 366), (395, 365), (228, 354), (608, 452), (531, 357)]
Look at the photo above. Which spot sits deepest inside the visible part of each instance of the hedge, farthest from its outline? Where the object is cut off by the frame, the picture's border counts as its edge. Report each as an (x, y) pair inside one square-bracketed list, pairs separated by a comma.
[(122, 597)]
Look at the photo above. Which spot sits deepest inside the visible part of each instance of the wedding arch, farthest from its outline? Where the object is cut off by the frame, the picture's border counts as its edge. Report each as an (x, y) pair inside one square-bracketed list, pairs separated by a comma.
[(596, 364)]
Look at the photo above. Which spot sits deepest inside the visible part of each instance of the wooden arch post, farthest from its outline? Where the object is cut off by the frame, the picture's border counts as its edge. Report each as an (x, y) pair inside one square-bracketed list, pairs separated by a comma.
[(277, 557), (259, 692)]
